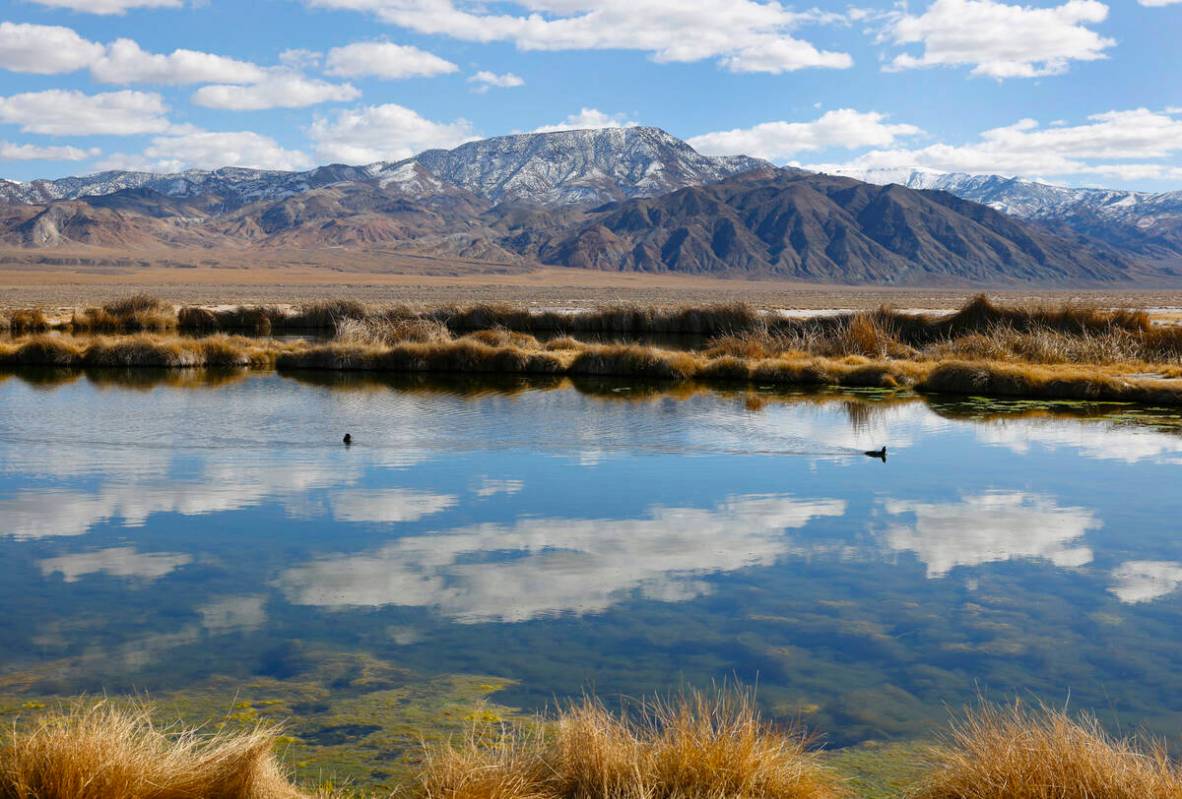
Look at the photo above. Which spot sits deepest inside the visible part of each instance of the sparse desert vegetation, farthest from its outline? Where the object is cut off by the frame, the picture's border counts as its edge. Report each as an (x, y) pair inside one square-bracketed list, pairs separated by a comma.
[(1065, 352)]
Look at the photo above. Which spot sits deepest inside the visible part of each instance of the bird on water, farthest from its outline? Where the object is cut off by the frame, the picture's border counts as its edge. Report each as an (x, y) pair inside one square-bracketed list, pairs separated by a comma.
[(877, 453), (348, 439)]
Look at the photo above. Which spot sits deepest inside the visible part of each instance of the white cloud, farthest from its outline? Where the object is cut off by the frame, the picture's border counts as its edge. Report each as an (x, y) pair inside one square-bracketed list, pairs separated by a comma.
[(844, 127), (387, 505), (1146, 580), (385, 60), (45, 49), (742, 35), (109, 6), (999, 40), (486, 80), (210, 150), (383, 133), (71, 113), (1158, 3), (1026, 149), (489, 487), (53, 50), (991, 527), (280, 88), (33, 152), (233, 613), (125, 62), (119, 562), (560, 565), (586, 119)]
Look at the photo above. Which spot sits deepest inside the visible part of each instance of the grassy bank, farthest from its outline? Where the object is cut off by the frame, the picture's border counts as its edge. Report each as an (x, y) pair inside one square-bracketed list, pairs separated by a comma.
[(698, 746), (983, 349)]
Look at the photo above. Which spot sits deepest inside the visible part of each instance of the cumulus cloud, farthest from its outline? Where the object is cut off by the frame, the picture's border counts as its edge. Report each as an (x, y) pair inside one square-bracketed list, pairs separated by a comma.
[(33, 152), (210, 150), (45, 49), (844, 127), (72, 113), (108, 6), (485, 80), (1026, 149), (741, 35), (383, 133), (1000, 40), (586, 119), (125, 62), (279, 88), (560, 565), (1145, 580), (385, 60), (54, 50), (991, 527), (118, 562), (388, 505)]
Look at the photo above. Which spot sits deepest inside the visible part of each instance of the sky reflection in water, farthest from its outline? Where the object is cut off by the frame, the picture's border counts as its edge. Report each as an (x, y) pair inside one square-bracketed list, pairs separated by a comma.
[(620, 539)]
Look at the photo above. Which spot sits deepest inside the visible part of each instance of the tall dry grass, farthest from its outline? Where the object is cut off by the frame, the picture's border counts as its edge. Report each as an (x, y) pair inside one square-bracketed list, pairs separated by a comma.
[(135, 313), (1019, 752), (100, 751), (699, 746)]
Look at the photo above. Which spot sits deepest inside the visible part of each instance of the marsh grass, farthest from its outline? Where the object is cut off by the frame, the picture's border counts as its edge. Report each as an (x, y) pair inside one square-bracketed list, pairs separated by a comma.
[(135, 313), (698, 746), (104, 751), (1021, 752)]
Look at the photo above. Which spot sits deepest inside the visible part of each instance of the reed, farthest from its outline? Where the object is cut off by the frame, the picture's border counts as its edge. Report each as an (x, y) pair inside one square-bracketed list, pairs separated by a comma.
[(1018, 752), (100, 751)]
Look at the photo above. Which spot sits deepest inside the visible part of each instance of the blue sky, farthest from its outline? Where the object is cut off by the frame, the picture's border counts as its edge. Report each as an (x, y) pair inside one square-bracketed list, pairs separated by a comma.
[(1081, 92)]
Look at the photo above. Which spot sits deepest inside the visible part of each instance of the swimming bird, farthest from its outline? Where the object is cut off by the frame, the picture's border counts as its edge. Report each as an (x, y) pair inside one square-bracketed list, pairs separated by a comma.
[(348, 439), (878, 453)]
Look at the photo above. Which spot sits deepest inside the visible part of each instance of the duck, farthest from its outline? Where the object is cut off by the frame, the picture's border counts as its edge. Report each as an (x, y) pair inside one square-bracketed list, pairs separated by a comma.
[(348, 439), (877, 453)]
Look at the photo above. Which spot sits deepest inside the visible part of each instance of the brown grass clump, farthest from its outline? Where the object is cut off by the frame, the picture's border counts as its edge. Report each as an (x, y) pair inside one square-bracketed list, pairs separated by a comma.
[(700, 746), (41, 351), (104, 752), (634, 361), (379, 330), (137, 312), (29, 320), (1019, 753)]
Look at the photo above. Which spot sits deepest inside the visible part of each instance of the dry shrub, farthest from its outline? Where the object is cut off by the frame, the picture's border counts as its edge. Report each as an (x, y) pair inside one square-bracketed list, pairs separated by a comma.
[(100, 751), (41, 351), (500, 337), (624, 360), (134, 313), (1016, 752), (390, 330), (700, 746), (322, 315), (29, 320), (564, 343)]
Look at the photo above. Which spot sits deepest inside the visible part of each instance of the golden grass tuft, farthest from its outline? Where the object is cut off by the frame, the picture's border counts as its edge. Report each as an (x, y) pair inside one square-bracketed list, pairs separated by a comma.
[(28, 320), (100, 751), (699, 746), (137, 312), (1017, 752)]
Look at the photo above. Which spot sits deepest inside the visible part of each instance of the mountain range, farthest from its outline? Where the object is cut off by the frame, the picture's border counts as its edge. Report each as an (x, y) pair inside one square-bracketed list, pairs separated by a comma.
[(629, 199)]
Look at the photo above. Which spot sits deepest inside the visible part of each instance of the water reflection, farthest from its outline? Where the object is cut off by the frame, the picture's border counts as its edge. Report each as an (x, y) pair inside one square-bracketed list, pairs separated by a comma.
[(117, 562), (539, 567), (1099, 440), (991, 527), (1146, 580)]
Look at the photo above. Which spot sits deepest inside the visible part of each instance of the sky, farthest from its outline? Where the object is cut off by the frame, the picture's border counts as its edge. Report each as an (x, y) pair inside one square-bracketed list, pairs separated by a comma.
[(1078, 92)]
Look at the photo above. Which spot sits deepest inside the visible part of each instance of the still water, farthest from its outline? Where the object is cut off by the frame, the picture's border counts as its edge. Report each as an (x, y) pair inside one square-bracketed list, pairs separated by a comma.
[(210, 539)]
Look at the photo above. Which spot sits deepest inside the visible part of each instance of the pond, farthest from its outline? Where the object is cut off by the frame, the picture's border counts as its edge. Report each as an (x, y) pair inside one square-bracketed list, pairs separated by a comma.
[(207, 540)]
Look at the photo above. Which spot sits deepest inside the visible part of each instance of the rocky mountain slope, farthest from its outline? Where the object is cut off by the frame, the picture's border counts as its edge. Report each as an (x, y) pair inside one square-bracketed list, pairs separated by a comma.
[(1145, 224), (620, 199)]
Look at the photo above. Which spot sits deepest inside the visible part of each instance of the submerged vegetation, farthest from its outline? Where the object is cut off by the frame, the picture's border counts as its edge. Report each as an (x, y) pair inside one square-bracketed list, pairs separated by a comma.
[(698, 746), (983, 349)]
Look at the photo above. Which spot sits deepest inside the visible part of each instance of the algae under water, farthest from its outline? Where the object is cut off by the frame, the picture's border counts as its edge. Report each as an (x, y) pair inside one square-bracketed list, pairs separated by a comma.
[(210, 542)]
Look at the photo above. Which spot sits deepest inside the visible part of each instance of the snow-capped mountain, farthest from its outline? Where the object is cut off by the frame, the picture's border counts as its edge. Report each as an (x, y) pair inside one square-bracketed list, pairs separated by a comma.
[(559, 168), (1149, 223), (577, 166)]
